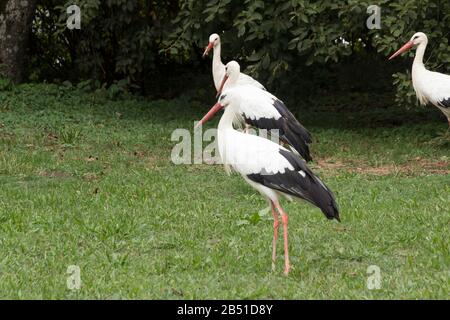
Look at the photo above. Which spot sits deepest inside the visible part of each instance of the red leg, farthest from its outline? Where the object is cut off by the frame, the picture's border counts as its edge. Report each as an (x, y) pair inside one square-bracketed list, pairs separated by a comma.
[(284, 219), (275, 234)]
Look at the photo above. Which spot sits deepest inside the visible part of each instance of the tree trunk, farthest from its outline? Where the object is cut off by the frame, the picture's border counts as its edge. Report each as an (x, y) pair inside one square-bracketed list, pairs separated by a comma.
[(16, 17)]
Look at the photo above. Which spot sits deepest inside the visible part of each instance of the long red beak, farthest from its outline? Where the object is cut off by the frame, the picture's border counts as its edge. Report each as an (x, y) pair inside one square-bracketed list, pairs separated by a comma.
[(217, 107), (208, 47), (406, 47), (222, 84)]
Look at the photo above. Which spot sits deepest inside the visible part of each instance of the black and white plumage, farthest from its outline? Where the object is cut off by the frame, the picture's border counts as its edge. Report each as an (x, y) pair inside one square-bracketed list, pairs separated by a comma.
[(299, 182), (268, 167), (430, 87), (261, 109)]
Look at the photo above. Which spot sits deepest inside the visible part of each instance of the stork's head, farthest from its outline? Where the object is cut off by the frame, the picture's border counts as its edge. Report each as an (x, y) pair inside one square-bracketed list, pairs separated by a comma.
[(417, 39), (232, 69), (214, 40), (232, 72)]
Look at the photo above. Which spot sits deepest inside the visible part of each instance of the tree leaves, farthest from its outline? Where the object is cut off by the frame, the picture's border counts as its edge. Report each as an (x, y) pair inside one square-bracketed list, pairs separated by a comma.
[(134, 37), (320, 32)]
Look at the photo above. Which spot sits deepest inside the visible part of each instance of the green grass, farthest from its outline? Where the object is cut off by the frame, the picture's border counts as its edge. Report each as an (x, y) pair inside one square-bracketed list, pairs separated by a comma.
[(88, 181)]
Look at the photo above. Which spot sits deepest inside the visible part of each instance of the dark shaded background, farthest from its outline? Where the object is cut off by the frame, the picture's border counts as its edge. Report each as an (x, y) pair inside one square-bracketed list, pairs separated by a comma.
[(300, 49)]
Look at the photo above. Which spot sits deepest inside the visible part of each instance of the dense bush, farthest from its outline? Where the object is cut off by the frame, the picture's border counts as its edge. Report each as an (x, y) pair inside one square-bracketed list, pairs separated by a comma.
[(119, 40), (315, 45), (278, 36)]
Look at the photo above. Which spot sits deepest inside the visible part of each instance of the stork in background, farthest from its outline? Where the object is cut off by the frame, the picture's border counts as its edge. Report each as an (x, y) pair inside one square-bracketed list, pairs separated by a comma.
[(269, 168), (218, 68), (430, 87), (261, 109)]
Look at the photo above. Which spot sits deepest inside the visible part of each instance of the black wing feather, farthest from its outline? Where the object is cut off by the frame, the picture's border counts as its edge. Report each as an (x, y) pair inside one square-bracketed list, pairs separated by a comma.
[(445, 103), (292, 121), (309, 187), (290, 130)]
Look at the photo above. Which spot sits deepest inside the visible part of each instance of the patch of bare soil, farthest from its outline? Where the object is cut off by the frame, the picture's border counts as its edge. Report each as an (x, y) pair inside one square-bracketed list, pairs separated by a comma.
[(91, 177), (54, 174), (415, 166)]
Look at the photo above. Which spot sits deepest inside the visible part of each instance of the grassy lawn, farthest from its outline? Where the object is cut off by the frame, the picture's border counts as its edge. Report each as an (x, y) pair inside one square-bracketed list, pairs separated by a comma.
[(88, 181)]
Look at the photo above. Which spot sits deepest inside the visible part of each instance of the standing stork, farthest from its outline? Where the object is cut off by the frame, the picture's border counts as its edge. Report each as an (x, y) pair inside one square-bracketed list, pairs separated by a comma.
[(261, 109), (269, 168), (430, 87), (218, 68)]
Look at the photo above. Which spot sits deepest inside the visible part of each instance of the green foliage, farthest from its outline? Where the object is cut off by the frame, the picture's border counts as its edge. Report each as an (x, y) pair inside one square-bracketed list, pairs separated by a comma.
[(272, 35), (5, 84), (312, 47), (118, 41), (406, 94), (400, 20), (280, 36), (69, 135)]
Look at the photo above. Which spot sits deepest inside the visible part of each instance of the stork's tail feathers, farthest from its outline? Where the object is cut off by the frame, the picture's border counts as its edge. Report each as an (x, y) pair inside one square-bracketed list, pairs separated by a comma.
[(331, 211), (299, 140), (300, 147), (324, 199), (306, 185)]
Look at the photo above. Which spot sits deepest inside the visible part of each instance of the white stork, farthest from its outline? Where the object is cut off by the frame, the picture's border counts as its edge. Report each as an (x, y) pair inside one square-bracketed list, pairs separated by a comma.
[(218, 68), (263, 110), (431, 87), (269, 168)]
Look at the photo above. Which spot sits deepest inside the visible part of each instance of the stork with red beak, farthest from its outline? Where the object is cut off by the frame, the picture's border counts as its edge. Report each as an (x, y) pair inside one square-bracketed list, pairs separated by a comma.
[(218, 68), (268, 167), (261, 109), (430, 87)]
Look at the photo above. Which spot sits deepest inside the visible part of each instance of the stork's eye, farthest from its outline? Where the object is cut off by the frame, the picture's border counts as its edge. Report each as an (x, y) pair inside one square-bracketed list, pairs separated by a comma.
[(416, 37), (222, 97)]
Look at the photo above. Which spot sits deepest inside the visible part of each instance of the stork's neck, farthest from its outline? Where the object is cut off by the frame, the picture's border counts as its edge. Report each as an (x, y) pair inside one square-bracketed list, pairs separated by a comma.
[(218, 69), (226, 122), (233, 79), (217, 61), (420, 52), (227, 137), (418, 72)]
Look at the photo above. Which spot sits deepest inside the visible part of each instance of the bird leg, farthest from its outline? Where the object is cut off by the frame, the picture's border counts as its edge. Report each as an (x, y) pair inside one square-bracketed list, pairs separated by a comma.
[(284, 219), (275, 234)]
